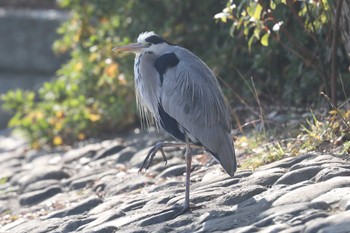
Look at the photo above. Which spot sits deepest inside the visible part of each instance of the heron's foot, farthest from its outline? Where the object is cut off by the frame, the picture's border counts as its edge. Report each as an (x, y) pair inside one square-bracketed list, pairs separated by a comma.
[(178, 210), (151, 153)]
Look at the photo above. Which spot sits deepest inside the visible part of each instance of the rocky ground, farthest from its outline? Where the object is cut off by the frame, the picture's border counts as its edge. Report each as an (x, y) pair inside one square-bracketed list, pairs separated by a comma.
[(97, 188)]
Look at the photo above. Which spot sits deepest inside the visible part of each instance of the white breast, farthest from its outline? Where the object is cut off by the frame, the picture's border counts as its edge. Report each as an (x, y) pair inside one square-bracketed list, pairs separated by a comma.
[(147, 86)]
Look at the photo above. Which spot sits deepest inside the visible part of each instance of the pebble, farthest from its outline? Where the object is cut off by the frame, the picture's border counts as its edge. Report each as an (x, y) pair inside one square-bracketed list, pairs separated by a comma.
[(97, 188)]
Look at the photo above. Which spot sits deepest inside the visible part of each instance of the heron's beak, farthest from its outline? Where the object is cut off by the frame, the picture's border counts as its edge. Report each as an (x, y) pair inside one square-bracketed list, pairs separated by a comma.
[(134, 48)]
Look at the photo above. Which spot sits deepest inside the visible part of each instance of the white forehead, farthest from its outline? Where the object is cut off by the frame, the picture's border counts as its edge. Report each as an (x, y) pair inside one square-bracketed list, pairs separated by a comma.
[(142, 37)]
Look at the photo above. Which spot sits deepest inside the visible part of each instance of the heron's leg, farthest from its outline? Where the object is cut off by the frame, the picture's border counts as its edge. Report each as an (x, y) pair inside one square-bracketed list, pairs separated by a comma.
[(188, 156), (158, 147)]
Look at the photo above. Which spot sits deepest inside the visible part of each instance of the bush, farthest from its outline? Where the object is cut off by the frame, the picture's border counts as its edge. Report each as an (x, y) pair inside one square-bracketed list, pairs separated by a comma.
[(93, 93), (292, 46)]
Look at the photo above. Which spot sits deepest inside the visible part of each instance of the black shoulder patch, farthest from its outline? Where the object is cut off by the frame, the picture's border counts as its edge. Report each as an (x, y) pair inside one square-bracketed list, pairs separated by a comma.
[(165, 62), (155, 39), (170, 124)]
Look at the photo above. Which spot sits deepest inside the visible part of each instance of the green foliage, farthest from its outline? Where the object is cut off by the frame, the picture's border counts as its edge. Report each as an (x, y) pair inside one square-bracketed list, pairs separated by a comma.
[(327, 133), (324, 133), (90, 95), (298, 35), (259, 150), (93, 92)]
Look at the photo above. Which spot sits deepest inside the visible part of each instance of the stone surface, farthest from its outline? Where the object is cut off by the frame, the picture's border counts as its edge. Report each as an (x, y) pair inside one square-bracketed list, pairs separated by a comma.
[(37, 196), (97, 188)]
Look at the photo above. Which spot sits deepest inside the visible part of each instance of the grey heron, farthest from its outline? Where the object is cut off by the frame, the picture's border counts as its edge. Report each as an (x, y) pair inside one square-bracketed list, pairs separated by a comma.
[(178, 90)]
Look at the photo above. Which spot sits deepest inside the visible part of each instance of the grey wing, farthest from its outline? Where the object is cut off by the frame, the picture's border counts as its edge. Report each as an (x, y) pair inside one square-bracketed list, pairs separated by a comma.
[(191, 95)]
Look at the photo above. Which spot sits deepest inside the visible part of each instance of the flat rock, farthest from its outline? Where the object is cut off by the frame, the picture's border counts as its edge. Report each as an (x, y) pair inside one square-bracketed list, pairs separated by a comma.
[(293, 214), (298, 175), (110, 150), (310, 192), (335, 196), (45, 173), (338, 223), (320, 160), (265, 177), (101, 219), (241, 194), (287, 162), (330, 172), (176, 170), (97, 188), (37, 196), (125, 154), (79, 208)]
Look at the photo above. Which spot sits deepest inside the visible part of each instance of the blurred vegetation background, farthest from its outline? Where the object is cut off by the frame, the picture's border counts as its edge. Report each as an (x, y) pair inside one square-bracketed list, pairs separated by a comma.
[(277, 52)]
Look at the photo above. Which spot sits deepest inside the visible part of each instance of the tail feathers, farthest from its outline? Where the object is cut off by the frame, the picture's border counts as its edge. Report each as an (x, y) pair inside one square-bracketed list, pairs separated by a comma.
[(225, 153)]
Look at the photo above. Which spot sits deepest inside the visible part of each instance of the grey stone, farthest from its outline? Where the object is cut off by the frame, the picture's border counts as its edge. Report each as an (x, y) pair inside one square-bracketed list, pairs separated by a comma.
[(72, 224), (228, 222), (265, 177), (163, 216), (203, 196), (276, 228), (110, 150), (108, 203), (125, 154), (37, 226), (132, 202), (287, 162), (334, 196), (165, 186), (28, 177), (241, 194), (80, 208), (75, 155), (338, 223), (82, 182), (227, 181), (293, 214), (244, 214), (9, 143), (41, 184), (293, 229), (103, 229), (320, 160), (34, 197), (344, 205), (132, 205), (177, 170), (101, 219), (115, 186), (246, 229), (17, 223), (330, 172), (299, 175), (310, 192)]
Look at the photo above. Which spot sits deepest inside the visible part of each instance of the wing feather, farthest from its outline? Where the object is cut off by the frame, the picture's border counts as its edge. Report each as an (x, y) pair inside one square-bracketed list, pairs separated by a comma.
[(192, 96)]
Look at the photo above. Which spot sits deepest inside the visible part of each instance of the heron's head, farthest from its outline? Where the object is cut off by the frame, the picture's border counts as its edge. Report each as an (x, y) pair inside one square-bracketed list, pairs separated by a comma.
[(147, 41)]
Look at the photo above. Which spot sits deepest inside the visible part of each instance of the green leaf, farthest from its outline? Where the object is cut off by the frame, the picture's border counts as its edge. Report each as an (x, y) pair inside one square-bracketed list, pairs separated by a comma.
[(265, 39), (257, 12), (257, 31), (272, 5), (250, 42)]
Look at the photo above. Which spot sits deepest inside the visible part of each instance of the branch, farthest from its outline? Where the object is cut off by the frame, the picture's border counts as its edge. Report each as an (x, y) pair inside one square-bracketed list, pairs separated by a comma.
[(334, 53)]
